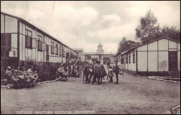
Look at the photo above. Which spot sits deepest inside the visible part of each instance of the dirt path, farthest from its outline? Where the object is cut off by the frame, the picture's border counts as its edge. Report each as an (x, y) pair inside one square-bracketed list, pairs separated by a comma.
[(132, 95)]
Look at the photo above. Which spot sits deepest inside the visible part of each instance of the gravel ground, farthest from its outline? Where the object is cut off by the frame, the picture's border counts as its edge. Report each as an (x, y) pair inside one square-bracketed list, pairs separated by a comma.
[(133, 95)]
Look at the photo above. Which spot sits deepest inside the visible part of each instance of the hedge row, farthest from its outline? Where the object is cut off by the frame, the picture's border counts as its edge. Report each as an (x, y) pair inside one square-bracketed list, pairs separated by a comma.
[(46, 71)]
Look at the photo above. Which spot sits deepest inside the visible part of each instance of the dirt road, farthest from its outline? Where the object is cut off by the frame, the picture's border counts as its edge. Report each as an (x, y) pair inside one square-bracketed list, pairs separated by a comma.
[(133, 95)]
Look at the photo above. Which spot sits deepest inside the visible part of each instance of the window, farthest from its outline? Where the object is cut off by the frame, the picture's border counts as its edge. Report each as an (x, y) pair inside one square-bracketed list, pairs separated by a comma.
[(63, 53), (5, 44), (43, 46), (126, 60), (129, 58), (122, 60), (2, 40), (67, 55), (60, 51), (70, 54), (56, 49), (133, 58), (47, 52), (39, 43), (2, 45), (100, 56), (47, 49), (52, 48), (28, 41)]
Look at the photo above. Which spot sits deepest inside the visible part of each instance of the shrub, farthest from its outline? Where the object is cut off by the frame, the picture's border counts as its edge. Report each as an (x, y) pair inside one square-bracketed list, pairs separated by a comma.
[(47, 72), (2, 70)]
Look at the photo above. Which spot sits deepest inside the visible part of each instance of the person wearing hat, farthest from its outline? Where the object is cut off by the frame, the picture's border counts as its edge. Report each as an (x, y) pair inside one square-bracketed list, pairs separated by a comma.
[(8, 74), (86, 72), (11, 77), (59, 71), (28, 75), (91, 71), (62, 73), (97, 72), (116, 70)]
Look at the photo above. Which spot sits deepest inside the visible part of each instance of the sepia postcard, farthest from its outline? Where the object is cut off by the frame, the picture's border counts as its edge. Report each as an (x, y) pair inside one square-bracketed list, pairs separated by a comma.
[(90, 57)]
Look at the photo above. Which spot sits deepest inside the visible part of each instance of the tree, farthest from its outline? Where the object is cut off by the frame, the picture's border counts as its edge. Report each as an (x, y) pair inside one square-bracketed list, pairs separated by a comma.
[(122, 46), (126, 45), (171, 32), (148, 28)]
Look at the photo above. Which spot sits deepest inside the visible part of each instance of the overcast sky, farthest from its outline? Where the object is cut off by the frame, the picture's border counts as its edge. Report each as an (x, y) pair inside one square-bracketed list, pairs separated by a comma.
[(84, 24)]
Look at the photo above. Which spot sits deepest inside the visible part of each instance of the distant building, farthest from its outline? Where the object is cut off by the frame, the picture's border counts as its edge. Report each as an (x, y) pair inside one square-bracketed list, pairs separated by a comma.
[(99, 55), (80, 54)]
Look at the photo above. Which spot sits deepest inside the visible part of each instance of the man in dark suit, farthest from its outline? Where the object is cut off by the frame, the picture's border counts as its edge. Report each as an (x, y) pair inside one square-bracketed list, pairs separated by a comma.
[(97, 72), (116, 70), (86, 72), (91, 72)]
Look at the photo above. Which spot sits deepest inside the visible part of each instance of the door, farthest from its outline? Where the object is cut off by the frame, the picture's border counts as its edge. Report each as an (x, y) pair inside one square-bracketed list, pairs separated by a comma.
[(173, 61)]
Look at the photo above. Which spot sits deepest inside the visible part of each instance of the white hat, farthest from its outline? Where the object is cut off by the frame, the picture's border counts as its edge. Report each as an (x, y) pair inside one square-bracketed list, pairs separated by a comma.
[(9, 67), (29, 70)]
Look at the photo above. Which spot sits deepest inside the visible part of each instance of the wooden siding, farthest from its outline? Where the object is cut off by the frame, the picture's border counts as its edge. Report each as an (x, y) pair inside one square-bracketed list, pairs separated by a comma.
[(152, 57), (13, 25)]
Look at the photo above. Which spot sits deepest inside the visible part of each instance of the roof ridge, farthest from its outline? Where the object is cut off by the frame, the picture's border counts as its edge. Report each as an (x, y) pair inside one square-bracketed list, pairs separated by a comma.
[(148, 43), (37, 28)]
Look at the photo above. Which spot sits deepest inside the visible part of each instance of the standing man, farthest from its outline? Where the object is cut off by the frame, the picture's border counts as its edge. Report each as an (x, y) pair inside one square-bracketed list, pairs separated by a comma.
[(116, 70), (91, 72), (97, 72), (103, 72), (86, 72)]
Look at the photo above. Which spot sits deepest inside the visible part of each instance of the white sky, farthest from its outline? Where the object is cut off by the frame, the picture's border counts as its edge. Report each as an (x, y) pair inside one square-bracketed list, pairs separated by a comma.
[(82, 24)]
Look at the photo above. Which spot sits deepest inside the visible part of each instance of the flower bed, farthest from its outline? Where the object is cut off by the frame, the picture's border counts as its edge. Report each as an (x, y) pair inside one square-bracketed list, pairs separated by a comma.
[(165, 78)]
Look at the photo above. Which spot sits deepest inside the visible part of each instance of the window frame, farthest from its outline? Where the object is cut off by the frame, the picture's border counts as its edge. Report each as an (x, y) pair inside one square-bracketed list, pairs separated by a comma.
[(60, 50), (56, 46), (27, 36), (134, 58), (40, 48), (129, 59), (63, 53), (122, 60), (52, 47), (126, 59)]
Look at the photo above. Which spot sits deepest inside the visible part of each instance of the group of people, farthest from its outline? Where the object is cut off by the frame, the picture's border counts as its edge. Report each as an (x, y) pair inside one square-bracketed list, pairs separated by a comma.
[(20, 77), (96, 72), (68, 69)]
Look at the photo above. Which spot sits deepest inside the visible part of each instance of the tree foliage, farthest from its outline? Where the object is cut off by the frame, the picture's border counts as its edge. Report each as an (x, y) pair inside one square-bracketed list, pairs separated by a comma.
[(171, 32), (148, 28), (126, 45)]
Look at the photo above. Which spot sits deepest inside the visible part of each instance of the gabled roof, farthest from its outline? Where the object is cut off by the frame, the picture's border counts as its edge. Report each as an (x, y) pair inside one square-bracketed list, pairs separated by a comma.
[(34, 27), (149, 43)]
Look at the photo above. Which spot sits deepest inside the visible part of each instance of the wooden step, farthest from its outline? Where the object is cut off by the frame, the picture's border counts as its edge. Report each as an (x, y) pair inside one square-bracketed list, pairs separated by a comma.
[(174, 73)]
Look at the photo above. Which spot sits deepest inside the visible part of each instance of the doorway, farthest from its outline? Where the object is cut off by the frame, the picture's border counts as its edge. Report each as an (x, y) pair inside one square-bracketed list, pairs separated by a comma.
[(173, 61)]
